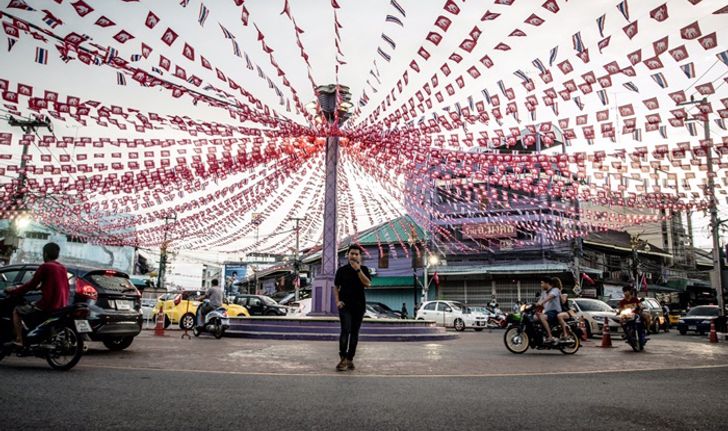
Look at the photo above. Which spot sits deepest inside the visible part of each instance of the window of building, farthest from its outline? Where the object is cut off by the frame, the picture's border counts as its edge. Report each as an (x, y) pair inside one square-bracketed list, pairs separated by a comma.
[(75, 238), (36, 235), (383, 258)]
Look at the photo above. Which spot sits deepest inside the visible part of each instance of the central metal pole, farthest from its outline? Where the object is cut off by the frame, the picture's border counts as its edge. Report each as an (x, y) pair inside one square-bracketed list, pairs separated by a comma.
[(322, 291), (715, 280)]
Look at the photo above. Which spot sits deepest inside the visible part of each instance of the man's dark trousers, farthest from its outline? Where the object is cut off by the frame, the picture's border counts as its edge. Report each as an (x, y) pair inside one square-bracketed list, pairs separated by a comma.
[(350, 325)]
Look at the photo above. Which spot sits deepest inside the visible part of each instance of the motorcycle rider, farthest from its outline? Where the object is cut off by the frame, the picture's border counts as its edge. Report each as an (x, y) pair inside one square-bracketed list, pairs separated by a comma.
[(631, 300), (564, 312), (550, 300), (214, 301), (52, 278)]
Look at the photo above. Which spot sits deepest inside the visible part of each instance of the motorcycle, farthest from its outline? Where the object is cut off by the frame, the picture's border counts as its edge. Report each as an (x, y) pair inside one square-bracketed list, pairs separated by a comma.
[(525, 331), (496, 318), (633, 328), (216, 322), (58, 339)]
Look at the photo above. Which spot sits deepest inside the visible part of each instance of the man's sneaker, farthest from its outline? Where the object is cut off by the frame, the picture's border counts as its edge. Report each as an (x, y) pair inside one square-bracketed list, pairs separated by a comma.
[(350, 365), (343, 365)]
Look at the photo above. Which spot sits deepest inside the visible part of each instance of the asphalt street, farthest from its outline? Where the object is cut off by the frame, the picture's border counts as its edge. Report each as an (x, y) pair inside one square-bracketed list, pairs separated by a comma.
[(198, 388)]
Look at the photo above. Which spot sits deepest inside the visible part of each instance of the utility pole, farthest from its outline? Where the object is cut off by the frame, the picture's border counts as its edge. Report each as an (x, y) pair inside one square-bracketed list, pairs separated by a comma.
[(163, 251), (715, 279), (296, 263)]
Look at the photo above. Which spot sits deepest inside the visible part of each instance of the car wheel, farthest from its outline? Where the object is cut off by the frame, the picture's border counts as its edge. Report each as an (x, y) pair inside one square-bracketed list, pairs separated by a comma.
[(478, 329), (271, 313), (683, 332), (187, 321), (459, 325), (587, 325), (241, 315), (117, 343), (167, 322)]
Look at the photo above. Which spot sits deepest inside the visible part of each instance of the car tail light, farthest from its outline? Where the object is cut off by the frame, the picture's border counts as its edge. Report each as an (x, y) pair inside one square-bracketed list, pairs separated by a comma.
[(84, 288)]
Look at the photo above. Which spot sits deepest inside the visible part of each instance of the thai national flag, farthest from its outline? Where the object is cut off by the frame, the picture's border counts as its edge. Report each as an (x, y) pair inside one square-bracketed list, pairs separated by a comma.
[(41, 55), (552, 56), (688, 70), (624, 8), (51, 20), (600, 24), (578, 44), (389, 41), (384, 54), (184, 3), (723, 56), (394, 19), (539, 65), (204, 13), (226, 33), (120, 78), (399, 8), (660, 79), (111, 54)]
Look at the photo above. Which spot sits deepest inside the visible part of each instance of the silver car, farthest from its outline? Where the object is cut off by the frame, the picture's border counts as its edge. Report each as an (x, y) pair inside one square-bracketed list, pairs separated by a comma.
[(594, 311)]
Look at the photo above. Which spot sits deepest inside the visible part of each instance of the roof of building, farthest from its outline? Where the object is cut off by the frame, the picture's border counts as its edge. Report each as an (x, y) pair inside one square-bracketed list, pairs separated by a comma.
[(620, 240), (515, 268)]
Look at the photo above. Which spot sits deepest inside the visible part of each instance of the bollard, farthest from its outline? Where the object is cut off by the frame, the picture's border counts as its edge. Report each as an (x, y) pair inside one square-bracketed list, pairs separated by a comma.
[(159, 328), (606, 337), (713, 334)]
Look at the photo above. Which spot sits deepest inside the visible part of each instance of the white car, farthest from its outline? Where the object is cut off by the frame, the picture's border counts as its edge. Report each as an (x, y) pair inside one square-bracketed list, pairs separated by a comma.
[(451, 314), (300, 308), (594, 311)]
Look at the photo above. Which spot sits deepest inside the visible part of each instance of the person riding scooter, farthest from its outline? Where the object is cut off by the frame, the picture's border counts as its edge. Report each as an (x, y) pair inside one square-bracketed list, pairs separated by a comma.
[(550, 300), (213, 301), (630, 300), (52, 278)]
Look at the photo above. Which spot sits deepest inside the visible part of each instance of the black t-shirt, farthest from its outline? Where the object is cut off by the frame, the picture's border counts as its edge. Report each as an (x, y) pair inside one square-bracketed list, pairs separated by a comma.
[(351, 288)]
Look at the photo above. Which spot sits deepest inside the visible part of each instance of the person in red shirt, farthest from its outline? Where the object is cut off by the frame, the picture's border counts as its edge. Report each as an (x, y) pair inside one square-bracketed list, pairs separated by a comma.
[(52, 278)]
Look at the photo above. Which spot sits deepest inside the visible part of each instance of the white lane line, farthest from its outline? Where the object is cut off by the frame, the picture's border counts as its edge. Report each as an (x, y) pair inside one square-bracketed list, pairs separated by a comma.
[(404, 376)]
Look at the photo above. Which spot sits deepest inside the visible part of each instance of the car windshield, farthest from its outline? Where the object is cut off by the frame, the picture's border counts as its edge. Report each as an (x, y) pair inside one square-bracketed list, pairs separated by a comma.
[(268, 301), (458, 306), (703, 311), (593, 306), (109, 281)]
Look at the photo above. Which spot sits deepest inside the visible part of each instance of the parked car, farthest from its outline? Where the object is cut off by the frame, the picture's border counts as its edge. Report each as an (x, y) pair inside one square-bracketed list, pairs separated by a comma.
[(371, 313), (652, 306), (261, 305), (291, 296), (148, 308), (698, 319), (181, 307), (114, 303), (594, 311), (451, 314), (385, 310)]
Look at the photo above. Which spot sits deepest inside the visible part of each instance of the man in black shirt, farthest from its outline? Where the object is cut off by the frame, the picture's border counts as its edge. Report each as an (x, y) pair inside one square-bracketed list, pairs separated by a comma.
[(350, 282)]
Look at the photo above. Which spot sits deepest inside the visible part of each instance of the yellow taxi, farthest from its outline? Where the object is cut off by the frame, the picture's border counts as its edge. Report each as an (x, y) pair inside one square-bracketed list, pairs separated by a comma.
[(180, 308)]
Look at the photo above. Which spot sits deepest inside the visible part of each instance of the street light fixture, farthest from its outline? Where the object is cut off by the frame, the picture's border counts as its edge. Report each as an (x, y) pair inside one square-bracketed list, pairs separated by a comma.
[(22, 223)]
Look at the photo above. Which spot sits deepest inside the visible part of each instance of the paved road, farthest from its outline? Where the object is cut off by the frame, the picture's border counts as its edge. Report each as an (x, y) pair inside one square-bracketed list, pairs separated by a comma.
[(97, 398), (470, 383)]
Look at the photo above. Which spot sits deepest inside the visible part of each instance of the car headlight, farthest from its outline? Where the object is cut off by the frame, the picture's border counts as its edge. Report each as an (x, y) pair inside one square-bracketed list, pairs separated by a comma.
[(680, 321)]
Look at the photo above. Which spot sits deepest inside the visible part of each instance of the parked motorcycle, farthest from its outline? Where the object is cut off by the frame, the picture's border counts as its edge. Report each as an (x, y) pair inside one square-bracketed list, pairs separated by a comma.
[(633, 328), (525, 330), (59, 339), (216, 322)]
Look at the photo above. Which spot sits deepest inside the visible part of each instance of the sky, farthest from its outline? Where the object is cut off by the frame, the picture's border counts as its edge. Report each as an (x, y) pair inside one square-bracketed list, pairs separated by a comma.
[(362, 27)]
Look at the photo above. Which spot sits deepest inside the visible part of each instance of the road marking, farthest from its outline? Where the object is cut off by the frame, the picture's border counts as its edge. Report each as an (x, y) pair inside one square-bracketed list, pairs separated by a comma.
[(403, 376)]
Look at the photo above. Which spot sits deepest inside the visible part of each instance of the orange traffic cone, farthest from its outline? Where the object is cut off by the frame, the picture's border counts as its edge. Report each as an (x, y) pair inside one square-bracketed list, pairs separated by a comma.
[(582, 328), (713, 335), (606, 337), (159, 328)]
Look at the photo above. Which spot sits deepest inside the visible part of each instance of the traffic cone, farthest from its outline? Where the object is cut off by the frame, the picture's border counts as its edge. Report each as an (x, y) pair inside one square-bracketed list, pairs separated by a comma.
[(582, 328), (713, 335), (159, 328), (606, 337)]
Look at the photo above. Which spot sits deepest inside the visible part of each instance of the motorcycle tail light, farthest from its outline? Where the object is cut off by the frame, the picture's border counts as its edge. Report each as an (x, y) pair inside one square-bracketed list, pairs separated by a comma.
[(85, 289)]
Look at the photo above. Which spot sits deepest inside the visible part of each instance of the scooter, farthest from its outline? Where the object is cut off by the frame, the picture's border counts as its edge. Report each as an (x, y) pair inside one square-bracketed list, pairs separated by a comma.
[(633, 328), (58, 339), (525, 331), (496, 318), (216, 322)]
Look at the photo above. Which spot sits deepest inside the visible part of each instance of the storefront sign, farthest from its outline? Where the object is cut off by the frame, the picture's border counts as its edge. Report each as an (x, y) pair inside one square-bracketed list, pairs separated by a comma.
[(488, 230)]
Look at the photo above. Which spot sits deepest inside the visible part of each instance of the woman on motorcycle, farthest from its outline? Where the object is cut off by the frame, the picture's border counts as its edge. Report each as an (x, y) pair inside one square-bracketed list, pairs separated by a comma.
[(566, 312)]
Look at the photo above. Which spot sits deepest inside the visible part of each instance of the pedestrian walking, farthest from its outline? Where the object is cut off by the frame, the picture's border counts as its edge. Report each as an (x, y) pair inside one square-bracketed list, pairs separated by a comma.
[(404, 310), (666, 312), (350, 282)]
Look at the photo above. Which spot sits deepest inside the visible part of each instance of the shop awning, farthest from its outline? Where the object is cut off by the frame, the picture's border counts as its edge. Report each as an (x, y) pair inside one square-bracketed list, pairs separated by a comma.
[(392, 282)]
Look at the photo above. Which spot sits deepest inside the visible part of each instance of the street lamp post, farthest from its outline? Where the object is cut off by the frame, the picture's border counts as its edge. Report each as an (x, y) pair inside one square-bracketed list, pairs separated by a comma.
[(163, 251), (333, 107)]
